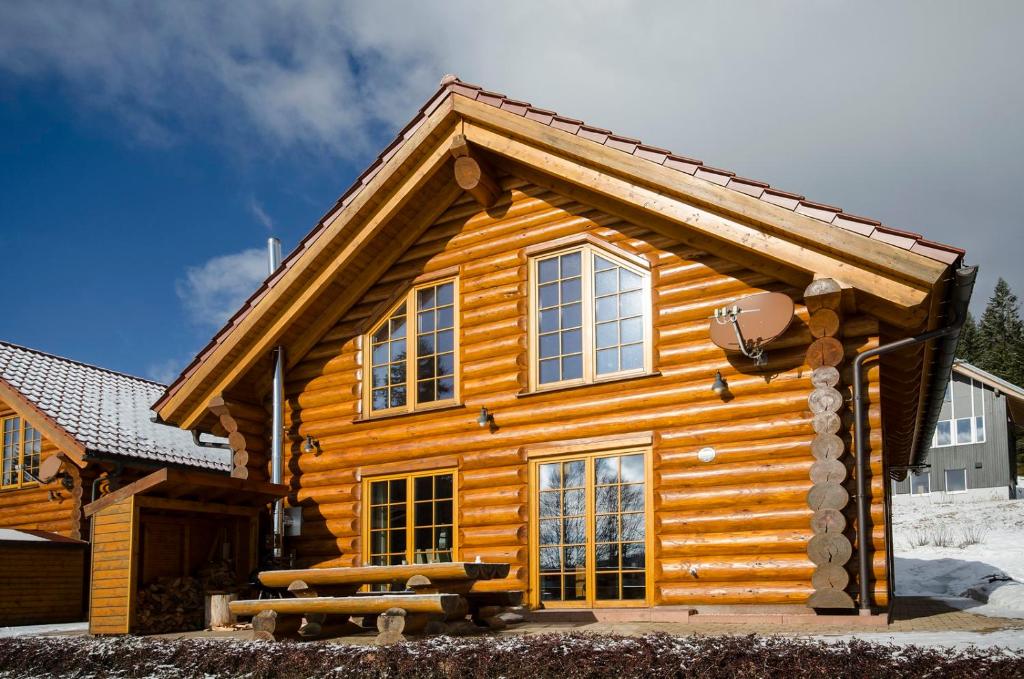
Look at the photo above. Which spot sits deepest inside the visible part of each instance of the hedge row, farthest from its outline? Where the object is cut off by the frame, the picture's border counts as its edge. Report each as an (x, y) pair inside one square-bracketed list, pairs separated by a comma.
[(535, 657)]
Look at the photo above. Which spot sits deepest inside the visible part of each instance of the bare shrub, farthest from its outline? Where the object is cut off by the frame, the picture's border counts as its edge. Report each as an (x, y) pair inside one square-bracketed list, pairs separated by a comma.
[(971, 535)]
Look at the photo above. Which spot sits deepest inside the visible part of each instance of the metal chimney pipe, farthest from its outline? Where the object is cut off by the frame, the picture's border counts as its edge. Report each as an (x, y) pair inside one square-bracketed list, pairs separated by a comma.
[(277, 426)]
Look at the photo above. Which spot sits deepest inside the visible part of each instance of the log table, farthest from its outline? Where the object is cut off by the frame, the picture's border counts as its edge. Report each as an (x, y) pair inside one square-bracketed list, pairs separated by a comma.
[(441, 594)]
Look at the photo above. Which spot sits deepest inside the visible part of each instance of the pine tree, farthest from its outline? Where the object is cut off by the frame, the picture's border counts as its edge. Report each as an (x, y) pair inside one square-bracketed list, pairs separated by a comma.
[(968, 349), (1000, 336)]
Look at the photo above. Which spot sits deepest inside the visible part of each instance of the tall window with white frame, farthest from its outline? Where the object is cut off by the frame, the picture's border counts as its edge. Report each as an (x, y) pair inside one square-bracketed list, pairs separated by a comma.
[(591, 317), (19, 457), (403, 378), (962, 428)]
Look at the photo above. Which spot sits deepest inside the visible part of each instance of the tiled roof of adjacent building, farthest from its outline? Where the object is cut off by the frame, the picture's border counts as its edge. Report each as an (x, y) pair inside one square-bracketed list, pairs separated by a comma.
[(452, 86), (107, 412)]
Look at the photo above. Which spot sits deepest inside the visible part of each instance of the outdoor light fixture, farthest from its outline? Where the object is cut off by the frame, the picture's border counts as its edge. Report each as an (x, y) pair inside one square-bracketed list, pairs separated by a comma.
[(311, 445), (720, 385), (484, 419)]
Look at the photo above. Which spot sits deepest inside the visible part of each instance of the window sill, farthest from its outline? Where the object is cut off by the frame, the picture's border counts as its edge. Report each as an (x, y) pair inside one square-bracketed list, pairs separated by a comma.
[(24, 486), (410, 413), (571, 387)]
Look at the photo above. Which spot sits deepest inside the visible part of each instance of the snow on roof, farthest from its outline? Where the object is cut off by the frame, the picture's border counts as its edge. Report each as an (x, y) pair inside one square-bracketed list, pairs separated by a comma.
[(106, 412)]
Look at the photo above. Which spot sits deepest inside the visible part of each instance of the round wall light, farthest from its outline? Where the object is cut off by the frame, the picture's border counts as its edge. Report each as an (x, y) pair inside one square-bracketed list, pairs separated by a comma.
[(706, 454)]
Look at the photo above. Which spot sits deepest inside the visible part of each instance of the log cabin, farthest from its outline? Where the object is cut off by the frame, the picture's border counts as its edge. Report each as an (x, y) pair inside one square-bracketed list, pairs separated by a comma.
[(496, 346), (97, 422)]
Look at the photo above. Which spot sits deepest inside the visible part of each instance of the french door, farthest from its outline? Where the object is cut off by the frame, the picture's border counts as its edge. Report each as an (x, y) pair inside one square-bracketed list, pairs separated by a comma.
[(590, 516)]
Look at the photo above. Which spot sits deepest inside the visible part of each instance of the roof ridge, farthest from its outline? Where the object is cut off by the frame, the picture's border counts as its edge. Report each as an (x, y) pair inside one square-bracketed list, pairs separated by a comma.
[(40, 352)]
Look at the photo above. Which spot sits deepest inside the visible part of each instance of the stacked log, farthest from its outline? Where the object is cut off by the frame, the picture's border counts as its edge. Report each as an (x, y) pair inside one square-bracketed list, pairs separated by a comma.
[(246, 425), (829, 548), (169, 605)]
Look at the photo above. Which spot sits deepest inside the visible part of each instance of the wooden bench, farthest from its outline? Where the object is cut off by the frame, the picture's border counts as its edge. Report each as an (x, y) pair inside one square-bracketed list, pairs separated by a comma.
[(437, 593)]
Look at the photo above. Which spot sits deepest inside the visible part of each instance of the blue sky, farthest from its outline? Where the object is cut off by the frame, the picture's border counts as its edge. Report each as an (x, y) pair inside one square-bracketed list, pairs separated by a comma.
[(148, 150)]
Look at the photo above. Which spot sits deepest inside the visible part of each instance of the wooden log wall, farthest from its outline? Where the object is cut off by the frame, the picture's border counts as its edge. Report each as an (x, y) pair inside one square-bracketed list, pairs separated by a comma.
[(112, 589), (49, 507), (246, 425), (31, 594), (732, 531)]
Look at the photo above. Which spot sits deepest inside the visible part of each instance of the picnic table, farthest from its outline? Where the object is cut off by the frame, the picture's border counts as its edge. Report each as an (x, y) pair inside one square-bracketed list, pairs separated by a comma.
[(440, 595)]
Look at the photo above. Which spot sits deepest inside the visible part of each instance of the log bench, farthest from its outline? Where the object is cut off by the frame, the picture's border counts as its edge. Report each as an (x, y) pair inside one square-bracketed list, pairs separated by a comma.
[(438, 595)]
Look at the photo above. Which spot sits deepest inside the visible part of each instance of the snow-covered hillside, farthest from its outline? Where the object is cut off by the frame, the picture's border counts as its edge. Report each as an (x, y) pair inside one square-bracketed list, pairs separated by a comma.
[(963, 550)]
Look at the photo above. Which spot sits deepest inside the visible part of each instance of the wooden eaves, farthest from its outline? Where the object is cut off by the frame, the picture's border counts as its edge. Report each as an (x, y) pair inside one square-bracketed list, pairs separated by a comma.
[(343, 259), (66, 443)]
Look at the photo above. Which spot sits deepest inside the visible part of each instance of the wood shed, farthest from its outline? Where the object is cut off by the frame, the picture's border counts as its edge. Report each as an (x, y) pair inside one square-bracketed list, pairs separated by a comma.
[(37, 595), (161, 543)]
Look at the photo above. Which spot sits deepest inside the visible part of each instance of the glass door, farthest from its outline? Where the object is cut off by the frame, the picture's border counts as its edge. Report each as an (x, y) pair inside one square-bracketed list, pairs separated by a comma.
[(591, 520)]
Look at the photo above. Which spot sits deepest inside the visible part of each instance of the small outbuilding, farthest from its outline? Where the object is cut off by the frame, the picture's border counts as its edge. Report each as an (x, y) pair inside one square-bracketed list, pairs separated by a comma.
[(167, 541), (32, 594)]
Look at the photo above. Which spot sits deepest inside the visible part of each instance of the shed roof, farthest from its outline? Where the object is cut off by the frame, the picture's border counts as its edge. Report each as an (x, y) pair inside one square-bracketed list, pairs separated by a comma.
[(106, 413)]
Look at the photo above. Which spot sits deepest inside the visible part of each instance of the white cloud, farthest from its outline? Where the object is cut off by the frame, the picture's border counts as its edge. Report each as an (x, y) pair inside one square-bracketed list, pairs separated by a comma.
[(256, 208), (905, 112), (165, 371), (214, 290)]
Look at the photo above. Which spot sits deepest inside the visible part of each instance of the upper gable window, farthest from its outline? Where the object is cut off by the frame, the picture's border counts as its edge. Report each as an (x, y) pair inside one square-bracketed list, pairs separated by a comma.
[(591, 317), (22, 444), (413, 352)]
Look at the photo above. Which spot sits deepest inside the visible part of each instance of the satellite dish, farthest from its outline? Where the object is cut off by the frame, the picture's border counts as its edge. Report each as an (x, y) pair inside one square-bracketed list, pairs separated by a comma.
[(49, 468), (751, 323)]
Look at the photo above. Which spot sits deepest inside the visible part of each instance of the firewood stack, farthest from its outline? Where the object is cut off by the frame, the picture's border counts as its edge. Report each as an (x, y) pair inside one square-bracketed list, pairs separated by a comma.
[(169, 605)]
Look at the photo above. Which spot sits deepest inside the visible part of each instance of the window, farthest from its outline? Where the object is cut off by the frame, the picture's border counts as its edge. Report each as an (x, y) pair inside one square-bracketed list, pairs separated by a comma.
[(920, 483), (401, 379), (590, 318), (410, 519), (962, 430), (591, 517), (956, 480), (22, 444)]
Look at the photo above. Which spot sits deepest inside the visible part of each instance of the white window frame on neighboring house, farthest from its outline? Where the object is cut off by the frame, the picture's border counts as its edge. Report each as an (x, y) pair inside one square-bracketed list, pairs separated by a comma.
[(946, 479), (975, 423), (928, 482)]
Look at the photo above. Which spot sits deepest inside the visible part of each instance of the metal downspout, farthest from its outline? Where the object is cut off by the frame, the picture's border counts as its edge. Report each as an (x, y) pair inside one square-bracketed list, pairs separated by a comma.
[(277, 425), (960, 297)]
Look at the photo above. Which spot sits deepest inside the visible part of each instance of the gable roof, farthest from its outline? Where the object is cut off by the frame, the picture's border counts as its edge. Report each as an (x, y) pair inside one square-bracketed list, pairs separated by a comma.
[(102, 412), (809, 225)]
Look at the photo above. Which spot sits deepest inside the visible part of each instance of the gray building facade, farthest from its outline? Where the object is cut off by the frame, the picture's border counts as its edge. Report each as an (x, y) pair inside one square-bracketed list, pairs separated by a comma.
[(973, 453)]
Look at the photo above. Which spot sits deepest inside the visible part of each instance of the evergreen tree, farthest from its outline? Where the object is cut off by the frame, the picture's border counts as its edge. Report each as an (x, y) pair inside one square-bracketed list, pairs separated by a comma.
[(1000, 336), (968, 349)]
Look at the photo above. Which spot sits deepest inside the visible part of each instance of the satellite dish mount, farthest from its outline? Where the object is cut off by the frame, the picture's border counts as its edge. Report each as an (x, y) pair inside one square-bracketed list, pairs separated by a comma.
[(749, 324), (749, 348)]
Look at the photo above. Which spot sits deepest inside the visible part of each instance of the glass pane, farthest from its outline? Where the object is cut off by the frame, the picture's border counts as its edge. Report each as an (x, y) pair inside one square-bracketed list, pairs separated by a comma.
[(398, 327), (424, 540), (920, 483), (549, 345), (606, 308), (607, 556), (443, 484), (633, 498), (632, 357), (550, 532), (573, 503), (632, 527), (397, 487), (425, 298), (575, 586), (629, 280), (396, 515), (574, 558), (445, 388), (607, 334), (607, 528), (445, 341), (632, 468), (445, 364), (548, 295), (574, 531), (425, 391), (547, 270), (571, 290), (549, 320), (606, 469), (633, 586), (632, 330), (979, 429), (572, 342), (445, 294), (551, 587), (606, 282), (549, 371), (607, 498), (397, 541), (963, 430), (549, 504), (424, 513), (571, 264), (630, 303), (607, 361), (572, 367), (550, 559), (943, 433), (633, 555), (572, 316), (573, 472), (378, 492), (550, 476), (956, 480), (378, 517), (443, 512), (607, 586)]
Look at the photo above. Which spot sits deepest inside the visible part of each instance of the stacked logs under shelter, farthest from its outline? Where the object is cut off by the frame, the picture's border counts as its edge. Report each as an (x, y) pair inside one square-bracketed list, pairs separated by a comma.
[(829, 549), (177, 604)]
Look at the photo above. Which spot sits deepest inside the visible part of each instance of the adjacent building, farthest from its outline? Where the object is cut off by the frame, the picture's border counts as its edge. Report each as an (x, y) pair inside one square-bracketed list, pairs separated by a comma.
[(973, 450)]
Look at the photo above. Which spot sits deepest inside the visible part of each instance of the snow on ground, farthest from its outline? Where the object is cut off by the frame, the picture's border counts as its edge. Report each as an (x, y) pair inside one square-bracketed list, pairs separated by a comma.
[(1009, 639), (970, 554), (45, 630)]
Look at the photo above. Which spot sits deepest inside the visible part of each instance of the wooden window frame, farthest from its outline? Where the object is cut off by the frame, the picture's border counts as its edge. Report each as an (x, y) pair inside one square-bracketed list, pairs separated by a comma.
[(410, 529), (412, 404), (588, 247), (589, 512), (20, 464)]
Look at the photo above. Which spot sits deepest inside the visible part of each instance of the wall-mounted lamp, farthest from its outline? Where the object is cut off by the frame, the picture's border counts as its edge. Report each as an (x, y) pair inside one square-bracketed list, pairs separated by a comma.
[(485, 418), (720, 386), (311, 445)]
